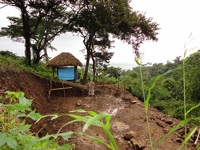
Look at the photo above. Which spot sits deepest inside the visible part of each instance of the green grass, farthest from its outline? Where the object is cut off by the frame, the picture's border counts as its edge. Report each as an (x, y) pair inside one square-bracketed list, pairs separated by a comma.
[(17, 65)]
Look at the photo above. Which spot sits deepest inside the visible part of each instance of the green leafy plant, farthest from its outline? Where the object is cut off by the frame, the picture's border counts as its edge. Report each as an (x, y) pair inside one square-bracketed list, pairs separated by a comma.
[(146, 101), (182, 122), (186, 120), (15, 134), (100, 120)]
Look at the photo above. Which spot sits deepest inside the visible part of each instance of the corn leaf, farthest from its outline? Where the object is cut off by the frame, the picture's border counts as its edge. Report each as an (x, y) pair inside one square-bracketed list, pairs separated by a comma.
[(149, 92), (66, 135), (188, 137), (79, 110), (94, 120), (137, 62), (192, 108), (181, 123)]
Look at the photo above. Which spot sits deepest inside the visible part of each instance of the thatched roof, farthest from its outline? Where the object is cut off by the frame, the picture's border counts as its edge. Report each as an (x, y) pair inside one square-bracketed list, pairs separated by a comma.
[(64, 59)]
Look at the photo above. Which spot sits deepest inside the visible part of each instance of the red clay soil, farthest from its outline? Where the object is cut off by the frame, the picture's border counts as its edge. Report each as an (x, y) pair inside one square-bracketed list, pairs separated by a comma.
[(128, 123)]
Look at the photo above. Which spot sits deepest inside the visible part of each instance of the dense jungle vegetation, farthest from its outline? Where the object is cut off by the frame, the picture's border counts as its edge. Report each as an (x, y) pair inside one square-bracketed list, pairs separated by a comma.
[(167, 96)]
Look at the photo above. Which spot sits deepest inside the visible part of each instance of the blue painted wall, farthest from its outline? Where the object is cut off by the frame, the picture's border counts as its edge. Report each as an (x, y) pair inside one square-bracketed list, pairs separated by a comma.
[(66, 73)]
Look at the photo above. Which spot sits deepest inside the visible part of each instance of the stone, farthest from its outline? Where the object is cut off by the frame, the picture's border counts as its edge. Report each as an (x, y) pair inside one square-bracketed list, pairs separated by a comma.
[(127, 98), (160, 123), (168, 121), (162, 119), (138, 144), (166, 130), (133, 102), (129, 135), (79, 103), (178, 140)]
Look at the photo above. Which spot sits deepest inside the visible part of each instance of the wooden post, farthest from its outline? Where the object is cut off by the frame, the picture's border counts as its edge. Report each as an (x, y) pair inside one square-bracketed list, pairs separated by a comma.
[(55, 89), (57, 71), (50, 87), (75, 73), (64, 89)]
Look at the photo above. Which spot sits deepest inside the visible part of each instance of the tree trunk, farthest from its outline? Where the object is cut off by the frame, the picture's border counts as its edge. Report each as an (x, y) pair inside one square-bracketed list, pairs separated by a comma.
[(37, 59), (86, 66), (27, 33), (89, 47), (94, 68), (46, 55), (28, 50), (36, 54)]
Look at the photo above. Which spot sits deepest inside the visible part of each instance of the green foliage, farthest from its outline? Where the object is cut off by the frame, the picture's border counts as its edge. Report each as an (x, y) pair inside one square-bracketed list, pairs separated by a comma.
[(109, 80), (112, 75), (101, 120), (15, 134), (18, 64), (11, 55), (113, 72), (186, 109), (41, 69), (168, 92), (146, 99), (36, 31), (179, 109), (192, 74), (80, 74), (184, 123), (112, 80), (172, 87), (136, 88), (171, 107), (126, 81), (146, 102), (9, 63)]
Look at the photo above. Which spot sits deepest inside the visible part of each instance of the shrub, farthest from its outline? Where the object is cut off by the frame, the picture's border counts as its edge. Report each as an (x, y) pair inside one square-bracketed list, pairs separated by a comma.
[(15, 134)]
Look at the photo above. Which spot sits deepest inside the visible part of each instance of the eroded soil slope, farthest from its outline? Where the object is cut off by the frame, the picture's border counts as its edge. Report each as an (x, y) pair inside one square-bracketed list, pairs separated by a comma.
[(128, 123)]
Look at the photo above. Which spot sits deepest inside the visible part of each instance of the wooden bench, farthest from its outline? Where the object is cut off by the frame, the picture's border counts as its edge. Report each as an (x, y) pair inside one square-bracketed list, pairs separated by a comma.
[(56, 89)]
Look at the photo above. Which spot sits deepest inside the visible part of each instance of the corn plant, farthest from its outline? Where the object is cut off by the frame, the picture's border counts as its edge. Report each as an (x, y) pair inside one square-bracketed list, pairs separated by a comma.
[(146, 101), (101, 120), (186, 120), (146, 105)]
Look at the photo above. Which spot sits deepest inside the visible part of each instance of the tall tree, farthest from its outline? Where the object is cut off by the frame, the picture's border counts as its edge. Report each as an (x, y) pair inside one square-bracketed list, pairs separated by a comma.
[(97, 19), (52, 25), (39, 23)]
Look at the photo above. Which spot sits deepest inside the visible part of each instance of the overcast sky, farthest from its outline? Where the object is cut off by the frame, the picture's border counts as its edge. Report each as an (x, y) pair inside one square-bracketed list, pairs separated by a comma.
[(176, 18)]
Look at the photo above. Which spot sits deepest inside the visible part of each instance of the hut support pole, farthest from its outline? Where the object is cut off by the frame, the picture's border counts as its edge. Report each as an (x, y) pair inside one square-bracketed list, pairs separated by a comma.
[(75, 73)]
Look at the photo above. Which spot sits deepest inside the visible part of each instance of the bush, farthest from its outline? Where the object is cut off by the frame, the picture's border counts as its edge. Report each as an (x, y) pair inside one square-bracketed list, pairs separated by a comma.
[(15, 134)]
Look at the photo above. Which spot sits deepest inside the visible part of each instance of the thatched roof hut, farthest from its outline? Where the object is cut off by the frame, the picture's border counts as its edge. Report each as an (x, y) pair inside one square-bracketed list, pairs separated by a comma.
[(61, 61), (64, 59)]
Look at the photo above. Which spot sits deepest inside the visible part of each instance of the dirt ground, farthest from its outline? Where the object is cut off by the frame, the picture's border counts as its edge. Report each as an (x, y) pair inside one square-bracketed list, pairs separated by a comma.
[(128, 123)]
